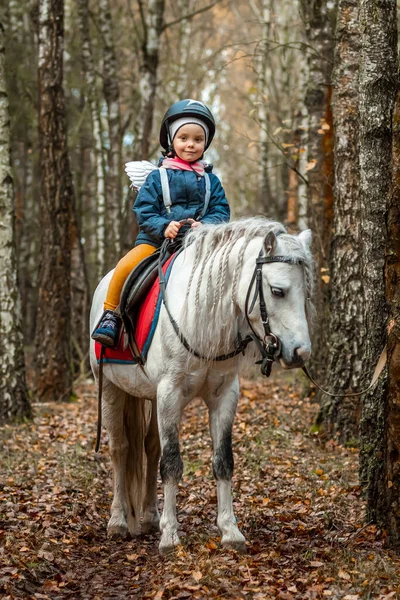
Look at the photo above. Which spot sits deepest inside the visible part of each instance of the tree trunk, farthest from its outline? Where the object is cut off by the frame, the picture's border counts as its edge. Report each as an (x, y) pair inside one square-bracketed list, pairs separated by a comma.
[(319, 27), (14, 403), (303, 221), (80, 300), (92, 95), (292, 217), (378, 83), (265, 200), (29, 245), (111, 94), (185, 7), (390, 517), (53, 325), (347, 333), (152, 27)]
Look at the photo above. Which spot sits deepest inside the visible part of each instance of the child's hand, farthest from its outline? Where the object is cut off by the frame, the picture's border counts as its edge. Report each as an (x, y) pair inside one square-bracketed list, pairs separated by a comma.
[(172, 230), (195, 224)]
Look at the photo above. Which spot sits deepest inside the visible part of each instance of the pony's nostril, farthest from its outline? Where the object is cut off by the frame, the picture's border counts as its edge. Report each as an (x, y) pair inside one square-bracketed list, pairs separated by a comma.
[(301, 353)]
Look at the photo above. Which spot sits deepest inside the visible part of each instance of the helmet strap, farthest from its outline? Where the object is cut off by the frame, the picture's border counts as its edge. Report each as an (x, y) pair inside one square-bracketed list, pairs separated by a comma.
[(170, 152)]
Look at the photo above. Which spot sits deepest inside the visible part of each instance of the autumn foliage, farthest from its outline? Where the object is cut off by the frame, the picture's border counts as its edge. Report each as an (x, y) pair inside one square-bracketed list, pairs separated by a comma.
[(297, 498)]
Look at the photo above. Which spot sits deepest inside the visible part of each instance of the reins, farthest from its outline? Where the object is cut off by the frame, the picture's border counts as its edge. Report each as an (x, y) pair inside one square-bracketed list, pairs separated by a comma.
[(378, 370)]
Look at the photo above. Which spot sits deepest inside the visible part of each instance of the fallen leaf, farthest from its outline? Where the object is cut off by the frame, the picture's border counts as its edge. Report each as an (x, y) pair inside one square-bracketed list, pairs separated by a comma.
[(343, 575)]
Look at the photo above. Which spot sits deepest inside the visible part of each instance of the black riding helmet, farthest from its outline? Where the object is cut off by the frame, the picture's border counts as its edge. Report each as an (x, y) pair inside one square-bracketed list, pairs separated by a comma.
[(186, 108)]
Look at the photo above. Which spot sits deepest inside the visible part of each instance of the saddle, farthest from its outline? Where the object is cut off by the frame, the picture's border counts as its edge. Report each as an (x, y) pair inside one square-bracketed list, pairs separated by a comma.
[(137, 287)]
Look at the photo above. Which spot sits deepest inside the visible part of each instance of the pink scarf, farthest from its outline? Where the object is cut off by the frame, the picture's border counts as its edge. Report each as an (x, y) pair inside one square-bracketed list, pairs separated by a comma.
[(183, 165)]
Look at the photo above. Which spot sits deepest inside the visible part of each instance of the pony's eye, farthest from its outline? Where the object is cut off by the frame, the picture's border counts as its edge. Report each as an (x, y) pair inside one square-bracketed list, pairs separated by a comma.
[(277, 292)]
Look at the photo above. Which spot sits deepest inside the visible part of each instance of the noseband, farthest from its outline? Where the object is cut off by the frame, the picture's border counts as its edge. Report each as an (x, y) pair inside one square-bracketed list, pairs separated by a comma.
[(269, 345)]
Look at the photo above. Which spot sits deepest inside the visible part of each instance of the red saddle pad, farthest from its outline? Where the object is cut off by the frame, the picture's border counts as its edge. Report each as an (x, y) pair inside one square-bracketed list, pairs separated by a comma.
[(146, 324)]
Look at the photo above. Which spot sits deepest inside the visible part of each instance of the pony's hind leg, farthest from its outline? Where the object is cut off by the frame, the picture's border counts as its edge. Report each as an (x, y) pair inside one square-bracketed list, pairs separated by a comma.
[(124, 419), (222, 401), (151, 516), (113, 417), (169, 408)]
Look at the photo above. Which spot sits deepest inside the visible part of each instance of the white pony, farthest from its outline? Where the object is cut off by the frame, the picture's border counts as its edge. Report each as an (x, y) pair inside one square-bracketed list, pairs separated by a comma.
[(208, 296)]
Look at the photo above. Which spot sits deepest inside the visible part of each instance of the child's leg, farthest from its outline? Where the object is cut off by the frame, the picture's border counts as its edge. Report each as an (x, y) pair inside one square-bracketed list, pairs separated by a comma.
[(122, 270)]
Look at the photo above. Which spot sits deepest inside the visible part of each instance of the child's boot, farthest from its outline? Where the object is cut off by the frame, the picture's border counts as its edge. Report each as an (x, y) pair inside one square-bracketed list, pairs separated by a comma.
[(108, 328)]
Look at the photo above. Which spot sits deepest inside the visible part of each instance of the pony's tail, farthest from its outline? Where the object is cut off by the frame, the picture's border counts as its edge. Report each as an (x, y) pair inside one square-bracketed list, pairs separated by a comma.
[(136, 419)]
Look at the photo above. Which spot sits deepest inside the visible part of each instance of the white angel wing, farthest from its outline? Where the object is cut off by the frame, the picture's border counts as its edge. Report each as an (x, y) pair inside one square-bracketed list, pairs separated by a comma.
[(137, 171)]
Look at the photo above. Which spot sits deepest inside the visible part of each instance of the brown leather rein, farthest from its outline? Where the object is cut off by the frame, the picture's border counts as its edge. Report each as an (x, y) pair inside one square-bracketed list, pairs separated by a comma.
[(378, 370)]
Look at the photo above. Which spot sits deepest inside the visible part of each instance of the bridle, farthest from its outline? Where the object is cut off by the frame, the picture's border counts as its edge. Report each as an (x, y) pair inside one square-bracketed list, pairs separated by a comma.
[(269, 345)]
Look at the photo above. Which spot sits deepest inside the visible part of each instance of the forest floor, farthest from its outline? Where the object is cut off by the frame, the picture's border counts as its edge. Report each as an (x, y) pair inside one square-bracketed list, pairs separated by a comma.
[(296, 497)]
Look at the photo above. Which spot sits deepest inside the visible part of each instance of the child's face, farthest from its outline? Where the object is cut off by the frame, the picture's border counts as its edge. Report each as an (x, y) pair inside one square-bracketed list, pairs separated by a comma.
[(189, 142)]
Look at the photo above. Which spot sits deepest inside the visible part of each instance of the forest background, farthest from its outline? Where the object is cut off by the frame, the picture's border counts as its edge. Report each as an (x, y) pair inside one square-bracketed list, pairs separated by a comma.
[(305, 99)]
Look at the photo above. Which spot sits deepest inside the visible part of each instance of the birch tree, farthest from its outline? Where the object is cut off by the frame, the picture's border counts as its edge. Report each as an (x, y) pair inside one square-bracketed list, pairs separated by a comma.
[(347, 332), (53, 323), (185, 7), (378, 85), (14, 401), (152, 18), (390, 515), (264, 189), (319, 22), (94, 108), (112, 96)]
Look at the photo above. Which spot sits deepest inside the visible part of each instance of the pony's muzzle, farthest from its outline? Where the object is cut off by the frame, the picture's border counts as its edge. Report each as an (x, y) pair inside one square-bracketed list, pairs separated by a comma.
[(297, 358)]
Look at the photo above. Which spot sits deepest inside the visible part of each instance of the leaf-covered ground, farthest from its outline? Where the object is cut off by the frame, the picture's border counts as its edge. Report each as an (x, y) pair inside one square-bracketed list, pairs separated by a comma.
[(297, 500)]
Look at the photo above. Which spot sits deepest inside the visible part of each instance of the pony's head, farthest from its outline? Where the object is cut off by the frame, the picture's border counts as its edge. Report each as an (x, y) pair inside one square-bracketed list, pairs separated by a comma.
[(223, 259), (287, 291)]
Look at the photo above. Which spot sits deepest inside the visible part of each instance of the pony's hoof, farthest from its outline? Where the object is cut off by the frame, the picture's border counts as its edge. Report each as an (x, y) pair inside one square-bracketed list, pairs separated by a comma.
[(168, 546), (234, 542), (117, 531), (238, 546)]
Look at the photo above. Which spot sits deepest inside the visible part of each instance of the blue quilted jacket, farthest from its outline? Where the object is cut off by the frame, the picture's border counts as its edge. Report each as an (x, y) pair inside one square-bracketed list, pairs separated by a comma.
[(187, 191)]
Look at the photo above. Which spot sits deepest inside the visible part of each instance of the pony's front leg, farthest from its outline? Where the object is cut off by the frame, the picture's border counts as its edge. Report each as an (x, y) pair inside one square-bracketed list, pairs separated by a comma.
[(169, 409), (222, 402)]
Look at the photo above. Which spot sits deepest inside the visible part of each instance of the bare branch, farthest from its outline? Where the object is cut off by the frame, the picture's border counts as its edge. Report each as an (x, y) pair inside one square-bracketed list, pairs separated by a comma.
[(138, 35), (191, 15), (143, 19)]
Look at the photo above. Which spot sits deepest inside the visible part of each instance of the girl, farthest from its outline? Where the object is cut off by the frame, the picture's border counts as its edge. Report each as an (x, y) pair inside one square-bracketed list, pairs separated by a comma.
[(187, 130)]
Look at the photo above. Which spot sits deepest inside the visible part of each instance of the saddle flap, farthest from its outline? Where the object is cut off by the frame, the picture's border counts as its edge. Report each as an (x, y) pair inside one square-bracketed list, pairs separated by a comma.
[(138, 284)]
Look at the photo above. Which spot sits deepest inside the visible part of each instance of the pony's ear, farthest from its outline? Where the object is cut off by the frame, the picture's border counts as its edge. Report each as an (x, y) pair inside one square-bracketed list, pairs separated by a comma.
[(269, 242), (306, 237)]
